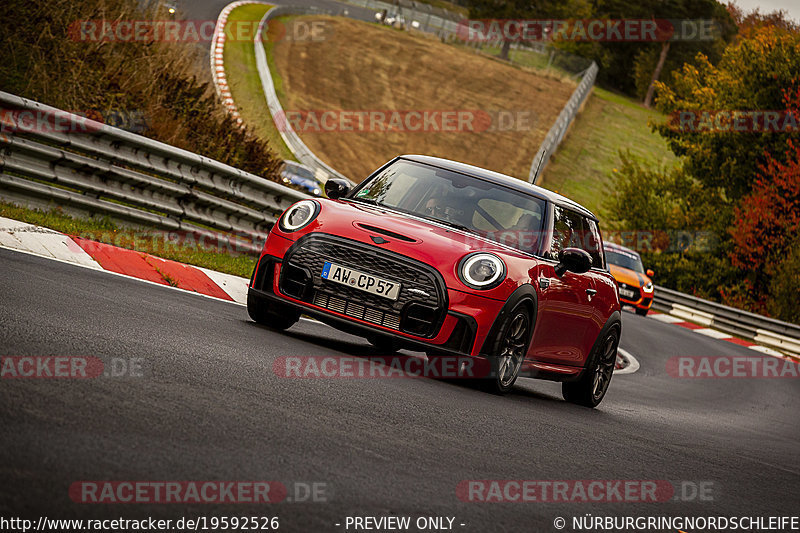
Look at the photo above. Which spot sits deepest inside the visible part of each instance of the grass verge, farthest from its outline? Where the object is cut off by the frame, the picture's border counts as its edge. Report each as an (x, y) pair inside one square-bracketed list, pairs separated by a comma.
[(245, 84), (364, 68), (583, 167), (149, 241), (532, 60)]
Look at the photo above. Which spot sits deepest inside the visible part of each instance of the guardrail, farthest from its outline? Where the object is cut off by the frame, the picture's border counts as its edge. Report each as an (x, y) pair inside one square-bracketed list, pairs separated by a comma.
[(102, 169), (561, 125), (757, 328), (419, 16), (289, 136)]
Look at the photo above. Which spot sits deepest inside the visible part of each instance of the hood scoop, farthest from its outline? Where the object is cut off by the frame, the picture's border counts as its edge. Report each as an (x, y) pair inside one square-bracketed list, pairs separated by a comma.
[(388, 233)]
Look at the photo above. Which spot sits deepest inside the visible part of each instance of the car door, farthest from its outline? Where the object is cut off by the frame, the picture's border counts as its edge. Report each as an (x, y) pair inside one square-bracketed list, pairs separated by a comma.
[(565, 302), (604, 300)]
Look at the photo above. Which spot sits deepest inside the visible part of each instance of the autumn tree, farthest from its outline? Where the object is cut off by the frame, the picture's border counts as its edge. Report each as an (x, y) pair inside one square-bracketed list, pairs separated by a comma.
[(751, 76), (766, 231), (749, 22), (741, 183), (695, 14)]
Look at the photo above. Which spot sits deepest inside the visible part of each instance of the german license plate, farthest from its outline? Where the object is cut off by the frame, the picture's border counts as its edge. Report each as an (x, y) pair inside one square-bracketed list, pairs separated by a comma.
[(360, 280), (626, 293)]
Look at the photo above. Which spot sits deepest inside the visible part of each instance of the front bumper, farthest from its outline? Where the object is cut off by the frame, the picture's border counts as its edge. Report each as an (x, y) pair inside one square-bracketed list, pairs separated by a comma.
[(640, 300), (433, 318)]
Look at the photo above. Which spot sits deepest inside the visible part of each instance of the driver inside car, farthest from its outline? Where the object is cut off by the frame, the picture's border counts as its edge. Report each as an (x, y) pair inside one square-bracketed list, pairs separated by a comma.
[(436, 207)]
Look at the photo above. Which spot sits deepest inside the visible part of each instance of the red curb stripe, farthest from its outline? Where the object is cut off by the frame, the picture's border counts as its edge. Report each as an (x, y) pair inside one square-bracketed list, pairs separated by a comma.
[(188, 277), (120, 260), (740, 342), (143, 266)]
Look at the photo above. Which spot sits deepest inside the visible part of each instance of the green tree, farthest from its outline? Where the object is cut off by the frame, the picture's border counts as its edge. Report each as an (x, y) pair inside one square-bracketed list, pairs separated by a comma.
[(650, 59), (674, 225), (682, 51), (751, 76), (525, 10)]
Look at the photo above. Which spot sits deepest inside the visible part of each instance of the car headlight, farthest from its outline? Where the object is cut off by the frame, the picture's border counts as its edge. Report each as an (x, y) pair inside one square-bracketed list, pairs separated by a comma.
[(482, 270), (299, 215), (648, 287)]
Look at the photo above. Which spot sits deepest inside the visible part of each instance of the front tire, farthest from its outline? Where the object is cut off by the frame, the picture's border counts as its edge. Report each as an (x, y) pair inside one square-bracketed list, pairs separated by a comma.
[(591, 388), (508, 352), (271, 314), (642, 312)]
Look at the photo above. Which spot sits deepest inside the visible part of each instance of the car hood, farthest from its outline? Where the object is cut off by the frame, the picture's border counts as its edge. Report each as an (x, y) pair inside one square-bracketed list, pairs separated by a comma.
[(343, 216), (434, 244), (628, 276)]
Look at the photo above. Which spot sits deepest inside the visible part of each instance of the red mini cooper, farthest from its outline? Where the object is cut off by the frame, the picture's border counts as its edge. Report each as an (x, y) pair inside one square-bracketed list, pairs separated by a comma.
[(453, 260)]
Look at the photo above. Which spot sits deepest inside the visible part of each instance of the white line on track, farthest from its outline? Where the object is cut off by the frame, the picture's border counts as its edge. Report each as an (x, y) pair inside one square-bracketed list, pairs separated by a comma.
[(713, 333), (633, 363), (669, 319), (769, 351)]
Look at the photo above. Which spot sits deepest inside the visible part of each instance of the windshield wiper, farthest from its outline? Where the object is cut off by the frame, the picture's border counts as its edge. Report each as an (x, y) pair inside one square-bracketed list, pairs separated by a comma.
[(454, 225), (369, 201)]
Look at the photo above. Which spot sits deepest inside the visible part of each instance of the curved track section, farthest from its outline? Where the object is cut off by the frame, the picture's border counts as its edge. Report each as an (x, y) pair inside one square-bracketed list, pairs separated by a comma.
[(208, 406)]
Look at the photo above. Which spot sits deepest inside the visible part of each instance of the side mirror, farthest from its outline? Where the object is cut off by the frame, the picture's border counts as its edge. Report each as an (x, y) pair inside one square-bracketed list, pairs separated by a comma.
[(650, 273), (573, 259), (336, 188)]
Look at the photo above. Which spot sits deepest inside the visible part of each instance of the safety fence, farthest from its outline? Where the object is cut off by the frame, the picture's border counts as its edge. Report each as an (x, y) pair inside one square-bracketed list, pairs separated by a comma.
[(52, 156)]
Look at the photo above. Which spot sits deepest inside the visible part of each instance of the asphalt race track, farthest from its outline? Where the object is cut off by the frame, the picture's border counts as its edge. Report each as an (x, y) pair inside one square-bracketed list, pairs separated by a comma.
[(209, 407)]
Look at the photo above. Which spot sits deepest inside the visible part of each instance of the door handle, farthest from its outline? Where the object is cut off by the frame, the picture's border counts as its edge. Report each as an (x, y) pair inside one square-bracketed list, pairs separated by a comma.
[(591, 292), (544, 283)]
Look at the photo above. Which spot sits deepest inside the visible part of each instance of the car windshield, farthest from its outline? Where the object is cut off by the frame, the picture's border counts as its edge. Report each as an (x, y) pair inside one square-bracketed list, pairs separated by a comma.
[(492, 211), (624, 259)]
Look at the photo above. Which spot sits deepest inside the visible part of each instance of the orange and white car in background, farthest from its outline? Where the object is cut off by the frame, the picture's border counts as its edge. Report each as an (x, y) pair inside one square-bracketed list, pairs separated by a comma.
[(634, 283)]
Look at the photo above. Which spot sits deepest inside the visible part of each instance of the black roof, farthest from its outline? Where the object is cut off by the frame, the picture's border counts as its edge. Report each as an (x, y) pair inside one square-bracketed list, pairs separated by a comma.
[(614, 246), (500, 179)]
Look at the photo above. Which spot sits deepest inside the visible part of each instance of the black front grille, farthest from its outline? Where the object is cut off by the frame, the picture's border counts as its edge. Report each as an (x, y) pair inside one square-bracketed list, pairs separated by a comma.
[(421, 303), (357, 310), (636, 292)]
